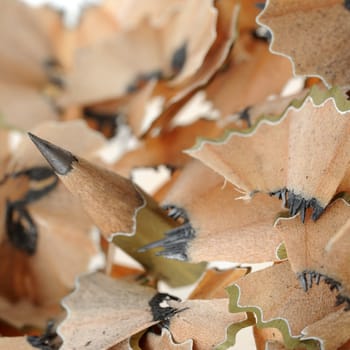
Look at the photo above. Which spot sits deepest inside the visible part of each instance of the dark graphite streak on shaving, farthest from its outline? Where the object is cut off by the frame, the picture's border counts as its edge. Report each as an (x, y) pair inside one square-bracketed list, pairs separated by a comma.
[(260, 5), (245, 116), (163, 313), (343, 299), (57, 81), (90, 113), (176, 212), (297, 204), (21, 229), (48, 341), (34, 195), (53, 67), (179, 58), (103, 120), (307, 278), (347, 4), (156, 74), (262, 34), (175, 243), (177, 62), (143, 78), (51, 63), (36, 174)]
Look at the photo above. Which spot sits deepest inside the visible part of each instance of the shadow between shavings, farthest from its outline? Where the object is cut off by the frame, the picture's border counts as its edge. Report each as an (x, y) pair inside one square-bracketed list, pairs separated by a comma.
[(134, 340)]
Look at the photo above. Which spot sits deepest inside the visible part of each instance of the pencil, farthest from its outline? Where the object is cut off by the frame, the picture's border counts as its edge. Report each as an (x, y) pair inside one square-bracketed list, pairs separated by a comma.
[(125, 215), (216, 225)]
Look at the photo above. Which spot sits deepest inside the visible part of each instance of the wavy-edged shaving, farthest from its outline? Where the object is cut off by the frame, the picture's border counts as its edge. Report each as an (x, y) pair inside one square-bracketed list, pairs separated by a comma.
[(327, 24), (281, 303), (319, 252), (271, 156)]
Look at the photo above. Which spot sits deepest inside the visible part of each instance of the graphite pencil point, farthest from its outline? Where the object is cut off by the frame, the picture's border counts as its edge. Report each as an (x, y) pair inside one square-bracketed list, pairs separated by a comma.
[(60, 159), (125, 215)]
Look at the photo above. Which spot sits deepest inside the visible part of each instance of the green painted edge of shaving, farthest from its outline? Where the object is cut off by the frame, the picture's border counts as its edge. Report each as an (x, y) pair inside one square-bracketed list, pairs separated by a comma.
[(150, 223), (290, 342), (232, 331), (282, 252), (318, 96)]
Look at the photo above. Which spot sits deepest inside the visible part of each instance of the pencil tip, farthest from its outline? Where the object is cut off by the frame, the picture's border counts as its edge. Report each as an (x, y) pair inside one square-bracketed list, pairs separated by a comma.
[(60, 159)]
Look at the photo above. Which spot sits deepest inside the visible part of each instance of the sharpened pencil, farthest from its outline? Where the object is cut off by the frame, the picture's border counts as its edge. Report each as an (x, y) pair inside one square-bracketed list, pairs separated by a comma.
[(122, 211)]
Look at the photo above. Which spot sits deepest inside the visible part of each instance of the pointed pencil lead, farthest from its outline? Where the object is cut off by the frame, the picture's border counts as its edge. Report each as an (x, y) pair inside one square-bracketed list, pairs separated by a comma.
[(60, 159)]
